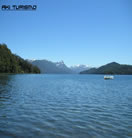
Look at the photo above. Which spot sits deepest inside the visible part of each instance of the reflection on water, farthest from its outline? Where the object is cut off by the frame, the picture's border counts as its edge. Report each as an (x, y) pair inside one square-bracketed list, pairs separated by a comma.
[(4, 87), (65, 106)]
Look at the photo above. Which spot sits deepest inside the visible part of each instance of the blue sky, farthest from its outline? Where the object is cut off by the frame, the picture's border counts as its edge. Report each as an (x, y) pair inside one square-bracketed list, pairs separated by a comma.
[(92, 32)]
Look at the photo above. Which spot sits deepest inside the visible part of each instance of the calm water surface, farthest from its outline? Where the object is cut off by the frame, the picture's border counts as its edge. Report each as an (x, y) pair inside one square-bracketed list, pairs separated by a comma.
[(65, 106)]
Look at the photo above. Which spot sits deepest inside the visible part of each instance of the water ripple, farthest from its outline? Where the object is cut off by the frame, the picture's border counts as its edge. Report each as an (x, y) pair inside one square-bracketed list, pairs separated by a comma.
[(65, 106)]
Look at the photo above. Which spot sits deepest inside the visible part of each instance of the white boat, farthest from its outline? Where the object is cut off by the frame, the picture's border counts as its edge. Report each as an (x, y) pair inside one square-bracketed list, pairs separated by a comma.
[(108, 77)]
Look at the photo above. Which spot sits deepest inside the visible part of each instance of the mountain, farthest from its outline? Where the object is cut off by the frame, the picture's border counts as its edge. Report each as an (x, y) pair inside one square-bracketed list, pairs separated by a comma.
[(50, 67), (111, 68), (10, 63), (79, 68)]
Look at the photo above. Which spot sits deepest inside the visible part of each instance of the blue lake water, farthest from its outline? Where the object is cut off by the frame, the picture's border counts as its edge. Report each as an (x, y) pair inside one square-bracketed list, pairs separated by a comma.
[(65, 106)]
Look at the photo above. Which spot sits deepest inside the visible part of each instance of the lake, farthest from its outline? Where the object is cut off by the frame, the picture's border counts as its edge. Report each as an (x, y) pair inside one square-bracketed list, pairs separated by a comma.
[(65, 106)]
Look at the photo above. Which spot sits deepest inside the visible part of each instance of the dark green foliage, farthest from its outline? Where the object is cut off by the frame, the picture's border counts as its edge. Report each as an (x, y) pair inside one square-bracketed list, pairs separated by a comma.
[(10, 63), (111, 68)]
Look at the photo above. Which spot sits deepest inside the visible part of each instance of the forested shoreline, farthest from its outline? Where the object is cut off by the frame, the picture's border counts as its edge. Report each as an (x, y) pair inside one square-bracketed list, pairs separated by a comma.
[(11, 63)]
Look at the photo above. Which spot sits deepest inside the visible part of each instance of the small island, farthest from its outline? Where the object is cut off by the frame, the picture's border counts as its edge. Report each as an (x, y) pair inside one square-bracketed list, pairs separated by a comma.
[(11, 63), (111, 68)]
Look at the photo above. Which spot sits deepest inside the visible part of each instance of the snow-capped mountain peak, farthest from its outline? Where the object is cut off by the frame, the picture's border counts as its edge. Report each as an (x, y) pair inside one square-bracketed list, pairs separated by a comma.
[(79, 67), (60, 64), (30, 60)]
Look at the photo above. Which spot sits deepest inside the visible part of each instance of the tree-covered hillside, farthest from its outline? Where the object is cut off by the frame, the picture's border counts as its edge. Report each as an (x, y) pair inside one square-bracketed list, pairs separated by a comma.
[(111, 68), (10, 63)]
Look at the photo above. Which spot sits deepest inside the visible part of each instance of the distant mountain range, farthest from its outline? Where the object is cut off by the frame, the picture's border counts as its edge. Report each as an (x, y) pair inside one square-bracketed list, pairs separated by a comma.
[(50, 67), (111, 68), (11, 63), (79, 68)]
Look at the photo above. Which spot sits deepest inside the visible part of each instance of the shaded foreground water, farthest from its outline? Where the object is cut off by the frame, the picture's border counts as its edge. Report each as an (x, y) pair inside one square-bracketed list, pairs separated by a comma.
[(65, 106)]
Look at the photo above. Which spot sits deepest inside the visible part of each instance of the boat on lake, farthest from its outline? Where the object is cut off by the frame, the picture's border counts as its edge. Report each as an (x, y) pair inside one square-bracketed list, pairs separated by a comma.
[(108, 77)]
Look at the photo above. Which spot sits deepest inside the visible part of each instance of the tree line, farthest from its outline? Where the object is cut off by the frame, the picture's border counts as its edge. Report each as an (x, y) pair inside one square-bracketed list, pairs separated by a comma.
[(11, 63)]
